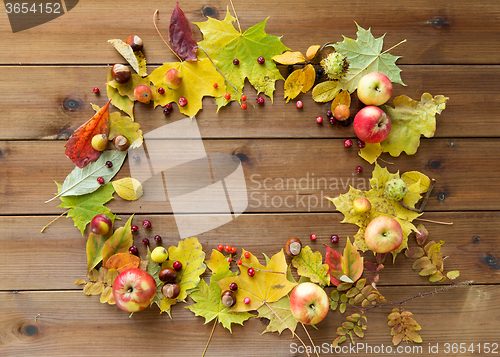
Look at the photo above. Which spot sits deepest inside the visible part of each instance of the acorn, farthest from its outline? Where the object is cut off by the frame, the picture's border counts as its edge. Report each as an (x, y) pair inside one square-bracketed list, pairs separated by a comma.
[(293, 247)]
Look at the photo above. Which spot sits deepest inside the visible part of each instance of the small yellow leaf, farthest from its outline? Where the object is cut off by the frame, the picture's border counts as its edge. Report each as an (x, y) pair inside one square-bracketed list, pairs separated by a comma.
[(128, 188), (309, 78), (371, 152), (326, 91), (294, 84), (289, 58), (126, 51), (106, 294), (217, 262), (452, 275), (80, 282), (412, 177), (344, 97), (166, 304), (142, 63), (312, 51)]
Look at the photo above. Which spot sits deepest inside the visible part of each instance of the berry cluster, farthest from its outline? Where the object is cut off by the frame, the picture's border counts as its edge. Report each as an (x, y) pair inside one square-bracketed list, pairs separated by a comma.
[(146, 224)]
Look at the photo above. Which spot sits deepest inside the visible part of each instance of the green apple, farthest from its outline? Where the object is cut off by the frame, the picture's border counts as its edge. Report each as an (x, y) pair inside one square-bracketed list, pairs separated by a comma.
[(362, 205)]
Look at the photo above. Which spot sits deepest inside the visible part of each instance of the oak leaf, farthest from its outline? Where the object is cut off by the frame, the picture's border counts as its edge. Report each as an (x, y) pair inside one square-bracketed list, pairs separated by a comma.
[(79, 145)]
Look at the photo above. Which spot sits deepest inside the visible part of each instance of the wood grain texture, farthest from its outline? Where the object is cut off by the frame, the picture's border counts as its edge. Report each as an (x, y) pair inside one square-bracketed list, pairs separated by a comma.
[(62, 323), (56, 112), (56, 258), (281, 175), (438, 32)]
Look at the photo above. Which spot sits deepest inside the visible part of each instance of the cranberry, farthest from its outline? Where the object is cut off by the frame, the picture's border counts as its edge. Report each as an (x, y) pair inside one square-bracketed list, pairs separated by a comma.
[(182, 102), (109, 164), (299, 104), (166, 111), (145, 241), (361, 144), (146, 223), (100, 180), (319, 120), (233, 286), (348, 143), (169, 106), (137, 158), (332, 120), (251, 272), (359, 169), (260, 100), (329, 114), (246, 300), (95, 90), (134, 228), (313, 236), (161, 90), (261, 60), (236, 61), (157, 238), (133, 250), (177, 265), (334, 238)]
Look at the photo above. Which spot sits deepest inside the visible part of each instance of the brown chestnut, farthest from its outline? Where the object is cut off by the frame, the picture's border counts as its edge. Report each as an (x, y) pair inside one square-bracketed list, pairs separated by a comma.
[(293, 247), (171, 291), (121, 73), (121, 142), (167, 275), (228, 298), (135, 42)]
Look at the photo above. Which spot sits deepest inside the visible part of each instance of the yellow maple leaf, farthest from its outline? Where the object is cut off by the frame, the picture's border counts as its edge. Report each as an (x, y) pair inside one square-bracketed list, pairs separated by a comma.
[(198, 81), (269, 284)]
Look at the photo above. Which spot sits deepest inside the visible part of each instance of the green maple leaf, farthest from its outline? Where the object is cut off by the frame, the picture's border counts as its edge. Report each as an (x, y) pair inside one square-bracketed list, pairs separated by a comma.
[(224, 43), (284, 318), (365, 56), (381, 206), (84, 207), (310, 264), (409, 120), (208, 302)]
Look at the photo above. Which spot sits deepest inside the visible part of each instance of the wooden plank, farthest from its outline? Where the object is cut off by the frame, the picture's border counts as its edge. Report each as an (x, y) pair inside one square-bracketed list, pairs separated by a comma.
[(297, 174), (60, 323), (56, 116), (56, 258), (436, 33)]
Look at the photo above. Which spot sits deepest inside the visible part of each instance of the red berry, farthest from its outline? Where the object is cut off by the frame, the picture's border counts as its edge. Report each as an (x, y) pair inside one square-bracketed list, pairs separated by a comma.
[(319, 120), (177, 265), (166, 111), (227, 96), (229, 259), (246, 300), (251, 272), (134, 228), (100, 180), (247, 255), (243, 97), (299, 104), (215, 85), (239, 262), (244, 106), (233, 286), (329, 114), (182, 102), (109, 164), (261, 60), (95, 90), (361, 144), (169, 106), (227, 248), (233, 250), (220, 247), (157, 238), (334, 238), (332, 120), (348, 143), (313, 236), (359, 169), (236, 61), (145, 241), (146, 223), (161, 90), (136, 158), (133, 250), (260, 100)]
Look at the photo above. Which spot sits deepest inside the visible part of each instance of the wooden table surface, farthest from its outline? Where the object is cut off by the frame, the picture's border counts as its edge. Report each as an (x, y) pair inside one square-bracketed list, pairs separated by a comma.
[(48, 73)]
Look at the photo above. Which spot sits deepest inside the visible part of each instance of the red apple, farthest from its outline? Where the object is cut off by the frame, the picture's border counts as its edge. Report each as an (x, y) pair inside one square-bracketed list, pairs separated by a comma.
[(134, 289), (341, 112), (374, 89), (173, 78), (100, 224), (383, 234), (143, 93), (372, 125), (309, 303), (362, 205)]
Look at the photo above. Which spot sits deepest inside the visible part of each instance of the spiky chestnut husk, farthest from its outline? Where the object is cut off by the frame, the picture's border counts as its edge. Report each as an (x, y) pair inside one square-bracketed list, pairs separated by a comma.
[(335, 65), (395, 189)]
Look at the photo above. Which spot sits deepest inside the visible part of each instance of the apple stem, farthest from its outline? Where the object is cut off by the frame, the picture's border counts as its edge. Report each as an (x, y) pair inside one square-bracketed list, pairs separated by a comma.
[(55, 219), (310, 339), (156, 27), (284, 323), (210, 338)]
